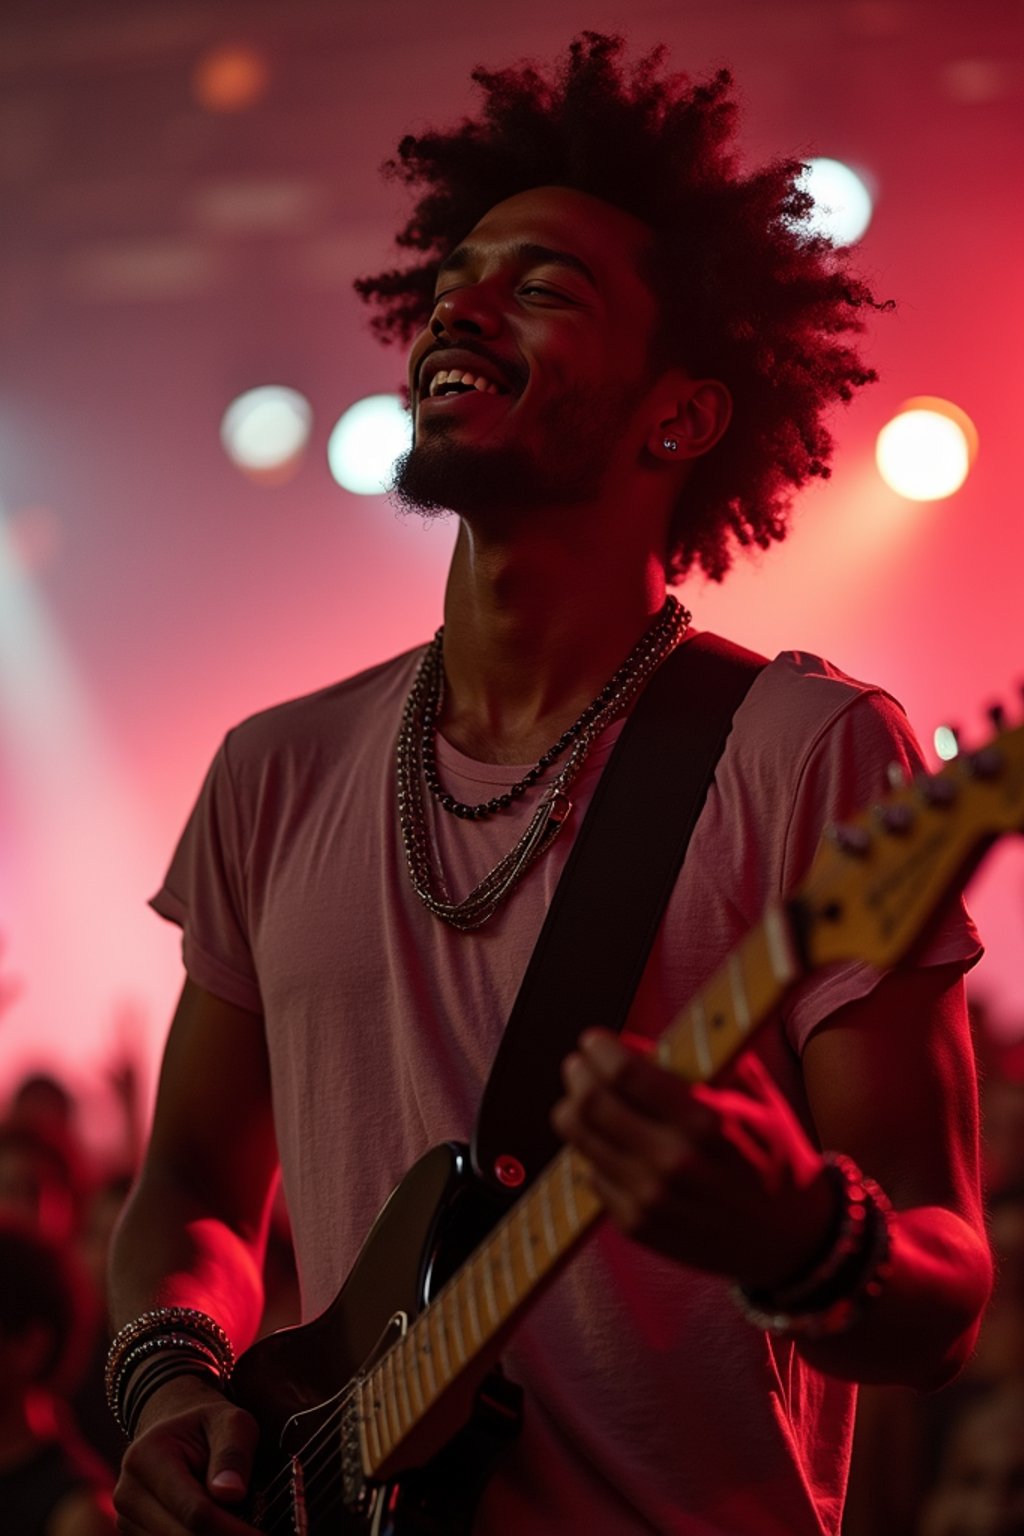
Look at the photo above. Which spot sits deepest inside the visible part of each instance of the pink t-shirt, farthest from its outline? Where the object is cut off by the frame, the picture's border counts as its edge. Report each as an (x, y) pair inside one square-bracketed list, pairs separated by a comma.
[(651, 1404)]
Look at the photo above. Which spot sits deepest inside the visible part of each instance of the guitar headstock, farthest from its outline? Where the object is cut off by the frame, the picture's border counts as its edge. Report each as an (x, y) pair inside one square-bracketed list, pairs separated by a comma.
[(877, 880)]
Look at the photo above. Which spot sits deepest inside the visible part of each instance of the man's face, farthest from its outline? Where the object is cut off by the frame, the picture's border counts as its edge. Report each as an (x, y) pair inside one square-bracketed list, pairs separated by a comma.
[(530, 380)]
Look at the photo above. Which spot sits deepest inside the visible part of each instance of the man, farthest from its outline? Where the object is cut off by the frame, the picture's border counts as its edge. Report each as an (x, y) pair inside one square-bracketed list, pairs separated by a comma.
[(621, 362)]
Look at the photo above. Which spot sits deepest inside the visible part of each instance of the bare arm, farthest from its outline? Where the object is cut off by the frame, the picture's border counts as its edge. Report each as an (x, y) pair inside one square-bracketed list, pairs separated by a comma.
[(193, 1235), (724, 1178), (195, 1227), (891, 1080)]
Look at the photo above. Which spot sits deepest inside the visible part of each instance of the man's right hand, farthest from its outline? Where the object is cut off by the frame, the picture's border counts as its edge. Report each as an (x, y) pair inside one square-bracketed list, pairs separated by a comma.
[(189, 1463)]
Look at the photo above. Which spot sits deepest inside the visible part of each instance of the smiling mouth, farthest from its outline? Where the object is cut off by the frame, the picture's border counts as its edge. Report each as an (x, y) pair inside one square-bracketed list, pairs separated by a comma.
[(449, 382)]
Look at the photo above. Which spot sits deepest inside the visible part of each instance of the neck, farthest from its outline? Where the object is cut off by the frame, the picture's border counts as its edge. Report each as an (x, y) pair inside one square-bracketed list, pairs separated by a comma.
[(533, 630)]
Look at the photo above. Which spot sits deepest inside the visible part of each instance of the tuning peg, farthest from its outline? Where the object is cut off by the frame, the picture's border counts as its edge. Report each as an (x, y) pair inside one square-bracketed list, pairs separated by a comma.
[(986, 764), (851, 839), (896, 775), (936, 789), (897, 819)]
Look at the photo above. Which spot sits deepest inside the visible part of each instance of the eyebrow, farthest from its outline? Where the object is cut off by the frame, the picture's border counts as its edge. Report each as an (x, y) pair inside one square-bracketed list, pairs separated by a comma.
[(528, 253)]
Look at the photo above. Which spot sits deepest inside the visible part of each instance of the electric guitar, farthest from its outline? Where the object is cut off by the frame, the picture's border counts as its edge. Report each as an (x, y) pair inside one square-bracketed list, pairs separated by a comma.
[(379, 1417)]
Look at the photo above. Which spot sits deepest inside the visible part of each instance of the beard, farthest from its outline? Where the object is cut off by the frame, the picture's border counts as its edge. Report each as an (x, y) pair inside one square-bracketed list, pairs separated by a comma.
[(439, 474)]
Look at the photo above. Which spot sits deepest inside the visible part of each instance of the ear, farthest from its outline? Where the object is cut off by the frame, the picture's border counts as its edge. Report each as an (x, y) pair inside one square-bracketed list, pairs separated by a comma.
[(693, 422)]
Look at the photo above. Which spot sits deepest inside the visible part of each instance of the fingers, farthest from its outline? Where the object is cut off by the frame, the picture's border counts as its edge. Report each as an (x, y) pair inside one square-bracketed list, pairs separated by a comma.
[(177, 1478), (630, 1120), (232, 1438), (636, 1077), (708, 1174)]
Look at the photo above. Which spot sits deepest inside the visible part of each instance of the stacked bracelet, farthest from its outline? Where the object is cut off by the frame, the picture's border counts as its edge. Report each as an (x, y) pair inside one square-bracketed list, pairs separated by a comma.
[(833, 1293), (157, 1347)]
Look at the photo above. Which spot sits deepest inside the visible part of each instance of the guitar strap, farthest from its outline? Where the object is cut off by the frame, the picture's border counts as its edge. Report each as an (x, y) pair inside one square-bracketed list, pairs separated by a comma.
[(588, 960)]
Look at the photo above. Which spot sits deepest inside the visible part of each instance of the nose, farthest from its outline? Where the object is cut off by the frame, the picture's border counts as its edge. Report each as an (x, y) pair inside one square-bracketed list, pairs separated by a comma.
[(464, 312)]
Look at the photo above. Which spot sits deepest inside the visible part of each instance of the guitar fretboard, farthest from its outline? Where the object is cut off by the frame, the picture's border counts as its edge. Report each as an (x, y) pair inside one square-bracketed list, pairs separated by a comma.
[(528, 1245)]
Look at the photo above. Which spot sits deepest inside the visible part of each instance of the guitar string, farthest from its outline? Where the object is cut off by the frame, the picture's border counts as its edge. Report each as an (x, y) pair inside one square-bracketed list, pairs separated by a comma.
[(326, 1428), (311, 1446), (806, 893)]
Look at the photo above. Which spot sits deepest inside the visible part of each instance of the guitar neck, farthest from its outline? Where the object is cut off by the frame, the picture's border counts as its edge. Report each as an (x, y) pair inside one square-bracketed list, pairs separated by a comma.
[(461, 1327)]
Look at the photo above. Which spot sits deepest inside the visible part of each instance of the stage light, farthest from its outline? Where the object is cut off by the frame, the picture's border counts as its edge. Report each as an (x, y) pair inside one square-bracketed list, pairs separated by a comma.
[(230, 78), (265, 431), (365, 443), (926, 451), (946, 745), (842, 203)]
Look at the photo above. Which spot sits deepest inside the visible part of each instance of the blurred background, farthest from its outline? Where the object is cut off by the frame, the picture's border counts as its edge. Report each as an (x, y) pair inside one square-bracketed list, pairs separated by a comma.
[(187, 191)]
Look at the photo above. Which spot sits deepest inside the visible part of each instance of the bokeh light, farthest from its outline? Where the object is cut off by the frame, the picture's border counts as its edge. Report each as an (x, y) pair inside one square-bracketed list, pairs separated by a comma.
[(266, 430), (230, 78), (842, 202), (365, 443), (925, 452), (946, 744)]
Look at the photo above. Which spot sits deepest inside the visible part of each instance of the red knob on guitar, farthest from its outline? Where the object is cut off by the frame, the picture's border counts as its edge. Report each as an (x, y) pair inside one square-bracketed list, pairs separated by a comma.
[(509, 1171)]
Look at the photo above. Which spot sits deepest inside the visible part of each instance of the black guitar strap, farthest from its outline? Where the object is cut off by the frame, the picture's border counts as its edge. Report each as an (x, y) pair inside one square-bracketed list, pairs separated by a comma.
[(588, 960)]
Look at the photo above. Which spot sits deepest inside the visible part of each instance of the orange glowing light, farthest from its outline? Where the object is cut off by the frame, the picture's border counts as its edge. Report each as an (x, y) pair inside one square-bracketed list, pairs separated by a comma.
[(231, 78)]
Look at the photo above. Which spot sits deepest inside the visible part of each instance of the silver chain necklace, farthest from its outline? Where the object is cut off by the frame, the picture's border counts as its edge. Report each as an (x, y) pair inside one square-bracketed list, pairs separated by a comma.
[(417, 771)]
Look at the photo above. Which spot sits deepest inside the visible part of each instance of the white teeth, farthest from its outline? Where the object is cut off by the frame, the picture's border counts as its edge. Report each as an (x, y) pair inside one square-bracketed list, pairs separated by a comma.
[(458, 376)]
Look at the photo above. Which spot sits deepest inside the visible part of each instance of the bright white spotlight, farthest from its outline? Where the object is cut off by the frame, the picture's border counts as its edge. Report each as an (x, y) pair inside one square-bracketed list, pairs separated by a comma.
[(946, 745), (366, 441), (926, 451), (842, 203), (266, 430)]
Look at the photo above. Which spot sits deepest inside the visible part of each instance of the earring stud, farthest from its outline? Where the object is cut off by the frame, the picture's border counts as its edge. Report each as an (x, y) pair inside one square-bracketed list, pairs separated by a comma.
[(669, 443)]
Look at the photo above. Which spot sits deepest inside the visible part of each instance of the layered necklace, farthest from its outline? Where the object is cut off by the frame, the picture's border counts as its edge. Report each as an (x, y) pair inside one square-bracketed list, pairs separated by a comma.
[(417, 772)]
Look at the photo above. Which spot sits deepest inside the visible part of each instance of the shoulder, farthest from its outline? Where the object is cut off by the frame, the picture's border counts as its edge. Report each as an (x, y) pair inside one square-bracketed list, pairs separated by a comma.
[(803, 710), (366, 697), (810, 693), (809, 745), (308, 739)]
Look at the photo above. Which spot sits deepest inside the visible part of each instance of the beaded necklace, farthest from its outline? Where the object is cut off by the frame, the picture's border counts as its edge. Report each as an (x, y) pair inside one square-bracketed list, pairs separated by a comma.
[(417, 768)]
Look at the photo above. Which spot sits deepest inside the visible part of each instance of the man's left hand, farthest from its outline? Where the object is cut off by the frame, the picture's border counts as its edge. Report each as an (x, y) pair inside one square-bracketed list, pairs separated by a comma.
[(723, 1178)]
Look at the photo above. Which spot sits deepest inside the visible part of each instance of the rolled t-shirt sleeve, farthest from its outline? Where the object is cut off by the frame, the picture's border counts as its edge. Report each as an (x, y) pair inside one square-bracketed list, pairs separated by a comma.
[(844, 770), (204, 892)]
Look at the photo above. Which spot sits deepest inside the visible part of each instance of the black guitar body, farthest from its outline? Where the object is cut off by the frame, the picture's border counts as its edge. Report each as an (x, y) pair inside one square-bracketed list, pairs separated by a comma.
[(297, 1382)]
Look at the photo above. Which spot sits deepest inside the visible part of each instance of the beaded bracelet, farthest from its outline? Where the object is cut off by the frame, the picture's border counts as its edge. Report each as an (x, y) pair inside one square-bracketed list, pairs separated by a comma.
[(831, 1297), (156, 1373), (189, 1333)]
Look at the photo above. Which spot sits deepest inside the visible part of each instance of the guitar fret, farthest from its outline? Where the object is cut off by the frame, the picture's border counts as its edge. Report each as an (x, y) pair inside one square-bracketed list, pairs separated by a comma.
[(489, 1295), (456, 1326), (781, 954), (427, 1355), (405, 1404), (441, 1334), (569, 1190), (738, 988), (394, 1421), (508, 1272), (699, 1020), (547, 1216), (474, 1315), (371, 1419), (413, 1351), (526, 1235)]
